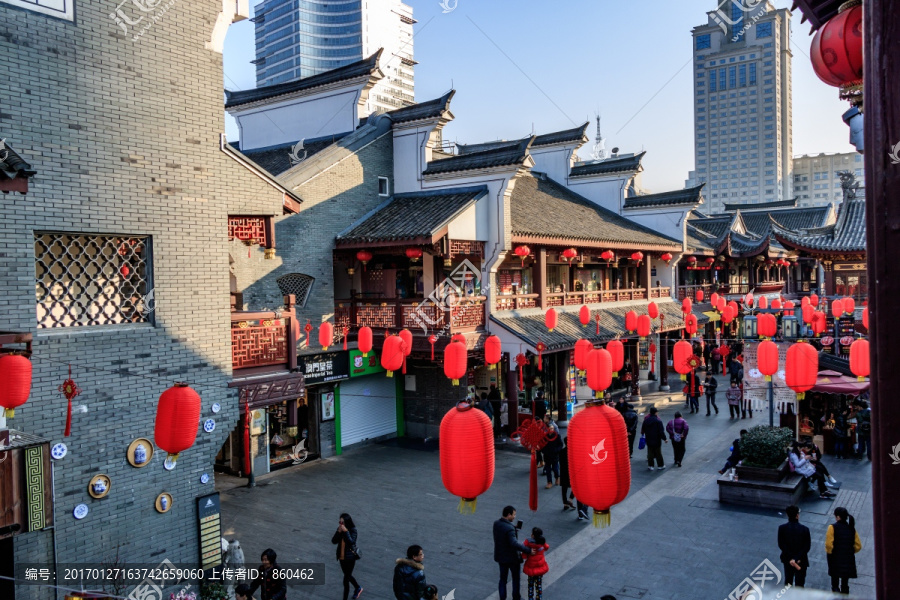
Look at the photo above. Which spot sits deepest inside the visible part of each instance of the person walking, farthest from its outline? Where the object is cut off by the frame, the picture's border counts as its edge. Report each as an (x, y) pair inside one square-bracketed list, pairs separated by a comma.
[(486, 407), (347, 553), (495, 398), (864, 430), (551, 452), (564, 482), (733, 396), (694, 389), (655, 434), (794, 542), (631, 423), (710, 384), (535, 563), (841, 545), (677, 429), (507, 552), (272, 587), (409, 575)]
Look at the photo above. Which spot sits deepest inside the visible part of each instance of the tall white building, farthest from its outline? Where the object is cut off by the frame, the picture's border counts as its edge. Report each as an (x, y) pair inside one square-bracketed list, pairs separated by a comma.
[(300, 38), (816, 179), (742, 104)]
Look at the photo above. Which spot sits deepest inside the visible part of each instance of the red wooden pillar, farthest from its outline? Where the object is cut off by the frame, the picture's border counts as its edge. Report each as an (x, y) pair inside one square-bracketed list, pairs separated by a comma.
[(539, 275)]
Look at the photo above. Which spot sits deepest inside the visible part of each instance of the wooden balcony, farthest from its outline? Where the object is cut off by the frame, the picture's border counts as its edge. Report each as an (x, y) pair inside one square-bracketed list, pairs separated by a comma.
[(415, 313), (519, 301), (265, 339)]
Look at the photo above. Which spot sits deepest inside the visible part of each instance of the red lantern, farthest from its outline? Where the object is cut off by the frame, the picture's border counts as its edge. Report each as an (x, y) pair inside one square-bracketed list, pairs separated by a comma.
[(837, 308), (859, 359), (467, 454), (456, 360), (807, 312), (599, 370), (801, 368), (492, 350), (631, 319), (177, 419), (767, 325), (584, 315), (522, 252), (721, 305), (681, 353), (691, 324), (789, 307), (15, 373), (521, 361), (734, 307), (407, 337), (666, 257), (643, 326), (617, 352), (767, 359), (599, 463), (124, 270), (699, 296), (326, 334), (364, 256), (748, 299), (392, 354), (837, 49), (849, 305), (804, 301), (686, 305), (458, 337), (819, 323), (569, 254), (431, 340), (550, 319), (582, 349), (413, 254), (728, 315), (865, 317), (763, 303), (776, 304), (709, 260), (653, 310), (364, 340), (714, 299), (814, 300), (608, 256), (637, 257), (692, 260)]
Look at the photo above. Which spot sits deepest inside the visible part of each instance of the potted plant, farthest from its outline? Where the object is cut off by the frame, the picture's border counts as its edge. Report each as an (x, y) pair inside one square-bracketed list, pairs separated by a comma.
[(764, 450)]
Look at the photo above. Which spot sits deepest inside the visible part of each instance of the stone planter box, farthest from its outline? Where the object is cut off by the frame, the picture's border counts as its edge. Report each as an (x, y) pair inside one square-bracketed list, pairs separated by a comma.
[(762, 494), (767, 475)]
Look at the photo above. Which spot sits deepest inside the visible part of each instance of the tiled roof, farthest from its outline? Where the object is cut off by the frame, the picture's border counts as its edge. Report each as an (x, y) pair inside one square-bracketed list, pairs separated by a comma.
[(277, 159), (412, 216), (511, 153), (700, 241), (481, 147), (848, 234), (431, 109), (761, 205), (366, 66), (528, 324), (542, 208), (576, 134), (817, 12), (13, 165), (621, 164), (690, 196), (798, 218), (713, 227)]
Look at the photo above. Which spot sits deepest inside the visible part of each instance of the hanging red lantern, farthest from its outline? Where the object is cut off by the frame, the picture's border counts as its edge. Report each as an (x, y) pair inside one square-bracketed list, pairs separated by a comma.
[(721, 305), (599, 463), (407, 337), (776, 304), (458, 337), (837, 49), (597, 319), (456, 360), (177, 420), (723, 352), (653, 310), (692, 260), (125, 270), (804, 301), (748, 300), (608, 256), (584, 315), (569, 254), (643, 326), (699, 296), (714, 299), (728, 315), (550, 319), (859, 359), (522, 252), (709, 260), (837, 308), (763, 303), (865, 317), (15, 373), (637, 257), (431, 340), (734, 307), (691, 324), (631, 319), (326, 334), (789, 308), (767, 358), (582, 349), (492, 350), (807, 313), (540, 347), (767, 325), (364, 256), (801, 368), (814, 300), (849, 305), (414, 254), (819, 323), (599, 370), (364, 340), (686, 305), (617, 351), (521, 361), (681, 354), (392, 354), (666, 257), (467, 454)]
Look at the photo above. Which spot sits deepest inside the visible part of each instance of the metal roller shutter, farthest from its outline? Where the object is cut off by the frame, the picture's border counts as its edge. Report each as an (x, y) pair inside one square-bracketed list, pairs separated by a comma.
[(368, 409)]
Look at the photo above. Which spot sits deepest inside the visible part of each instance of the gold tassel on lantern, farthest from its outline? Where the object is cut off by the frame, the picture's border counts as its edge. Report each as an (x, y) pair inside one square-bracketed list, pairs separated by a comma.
[(467, 506), (601, 518)]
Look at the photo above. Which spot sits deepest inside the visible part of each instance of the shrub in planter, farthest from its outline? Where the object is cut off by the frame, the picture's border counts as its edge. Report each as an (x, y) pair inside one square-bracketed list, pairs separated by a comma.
[(213, 591), (765, 447)]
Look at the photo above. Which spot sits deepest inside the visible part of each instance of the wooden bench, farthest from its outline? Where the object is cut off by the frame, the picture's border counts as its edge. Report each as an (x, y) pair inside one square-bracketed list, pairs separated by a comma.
[(765, 494)]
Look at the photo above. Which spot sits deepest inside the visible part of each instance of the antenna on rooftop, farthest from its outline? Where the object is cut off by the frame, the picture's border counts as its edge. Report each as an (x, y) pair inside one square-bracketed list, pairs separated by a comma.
[(599, 152)]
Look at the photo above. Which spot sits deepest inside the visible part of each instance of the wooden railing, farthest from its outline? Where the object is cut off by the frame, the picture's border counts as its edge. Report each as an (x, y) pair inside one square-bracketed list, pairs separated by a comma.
[(516, 302), (578, 298), (391, 313), (265, 339)]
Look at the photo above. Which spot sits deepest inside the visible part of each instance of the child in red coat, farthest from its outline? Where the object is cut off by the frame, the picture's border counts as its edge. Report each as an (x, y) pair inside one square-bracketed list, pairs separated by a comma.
[(535, 564)]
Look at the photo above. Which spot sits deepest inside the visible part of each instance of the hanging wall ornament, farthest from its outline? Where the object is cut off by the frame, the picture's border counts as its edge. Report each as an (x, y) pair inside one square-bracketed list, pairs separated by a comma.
[(597, 319), (69, 389), (521, 361), (533, 435), (345, 331), (308, 329), (431, 340)]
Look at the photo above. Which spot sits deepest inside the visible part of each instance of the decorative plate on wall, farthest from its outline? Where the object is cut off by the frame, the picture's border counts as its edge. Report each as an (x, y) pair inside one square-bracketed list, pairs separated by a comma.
[(59, 451), (81, 511), (216, 407), (209, 425), (164, 502), (99, 486), (140, 453), (204, 478)]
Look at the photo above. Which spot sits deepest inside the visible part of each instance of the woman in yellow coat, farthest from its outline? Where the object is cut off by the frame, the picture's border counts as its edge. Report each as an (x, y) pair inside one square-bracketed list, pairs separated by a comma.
[(841, 544)]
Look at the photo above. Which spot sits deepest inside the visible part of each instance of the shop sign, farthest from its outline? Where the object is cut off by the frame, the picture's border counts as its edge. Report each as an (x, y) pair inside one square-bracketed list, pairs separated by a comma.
[(322, 368), (208, 516), (850, 267), (364, 365)]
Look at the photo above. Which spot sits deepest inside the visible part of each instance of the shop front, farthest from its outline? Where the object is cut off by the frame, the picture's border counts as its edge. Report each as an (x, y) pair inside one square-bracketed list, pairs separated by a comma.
[(368, 406)]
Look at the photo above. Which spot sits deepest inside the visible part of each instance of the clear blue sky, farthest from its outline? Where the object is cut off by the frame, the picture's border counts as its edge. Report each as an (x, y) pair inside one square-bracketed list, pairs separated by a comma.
[(578, 56)]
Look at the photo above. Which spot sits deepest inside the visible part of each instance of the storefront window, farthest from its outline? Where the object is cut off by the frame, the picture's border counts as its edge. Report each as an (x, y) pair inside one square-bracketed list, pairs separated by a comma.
[(557, 279), (514, 281), (852, 284), (589, 280), (284, 432)]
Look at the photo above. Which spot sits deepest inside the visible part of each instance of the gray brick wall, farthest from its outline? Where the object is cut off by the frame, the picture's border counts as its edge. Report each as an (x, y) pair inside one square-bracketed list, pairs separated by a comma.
[(124, 136), (434, 396)]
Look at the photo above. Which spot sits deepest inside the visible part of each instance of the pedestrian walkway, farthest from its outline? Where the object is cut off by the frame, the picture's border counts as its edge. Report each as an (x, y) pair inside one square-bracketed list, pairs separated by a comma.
[(669, 539)]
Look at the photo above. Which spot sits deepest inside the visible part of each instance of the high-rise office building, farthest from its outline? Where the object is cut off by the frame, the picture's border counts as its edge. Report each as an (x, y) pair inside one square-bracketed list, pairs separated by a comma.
[(817, 180), (742, 104), (299, 38)]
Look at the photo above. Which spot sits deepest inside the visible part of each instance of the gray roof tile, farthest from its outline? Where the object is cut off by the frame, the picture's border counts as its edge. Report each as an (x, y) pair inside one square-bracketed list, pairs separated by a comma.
[(277, 159), (576, 134), (761, 205), (13, 165), (621, 164), (690, 196), (508, 154), (848, 234), (431, 109)]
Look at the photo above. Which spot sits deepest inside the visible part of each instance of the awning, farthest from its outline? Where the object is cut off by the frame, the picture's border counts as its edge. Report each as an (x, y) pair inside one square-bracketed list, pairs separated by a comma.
[(267, 390), (832, 382), (713, 316), (522, 330)]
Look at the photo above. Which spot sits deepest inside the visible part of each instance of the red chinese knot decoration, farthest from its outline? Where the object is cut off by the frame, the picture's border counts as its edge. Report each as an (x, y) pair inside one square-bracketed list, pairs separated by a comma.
[(540, 347), (70, 389), (521, 361), (431, 340), (467, 454), (533, 434)]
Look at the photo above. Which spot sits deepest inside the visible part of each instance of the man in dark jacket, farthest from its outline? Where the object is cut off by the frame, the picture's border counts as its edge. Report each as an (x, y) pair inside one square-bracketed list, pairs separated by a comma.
[(631, 423), (272, 588), (655, 434), (710, 384), (508, 551), (409, 575), (495, 398), (794, 543), (735, 457)]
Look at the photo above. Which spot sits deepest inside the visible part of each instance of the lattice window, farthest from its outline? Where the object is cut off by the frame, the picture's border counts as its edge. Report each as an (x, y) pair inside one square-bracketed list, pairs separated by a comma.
[(466, 247), (248, 229), (297, 284), (85, 280)]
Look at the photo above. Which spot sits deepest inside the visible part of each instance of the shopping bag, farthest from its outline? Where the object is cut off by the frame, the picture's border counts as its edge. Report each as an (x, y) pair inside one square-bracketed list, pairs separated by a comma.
[(643, 443)]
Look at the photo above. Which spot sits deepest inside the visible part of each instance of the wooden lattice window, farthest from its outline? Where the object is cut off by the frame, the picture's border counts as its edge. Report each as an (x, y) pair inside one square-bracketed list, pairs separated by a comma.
[(297, 284), (250, 230), (466, 247), (92, 279)]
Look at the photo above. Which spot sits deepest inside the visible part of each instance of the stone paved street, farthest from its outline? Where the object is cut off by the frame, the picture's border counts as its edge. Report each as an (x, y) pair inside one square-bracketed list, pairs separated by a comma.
[(670, 538)]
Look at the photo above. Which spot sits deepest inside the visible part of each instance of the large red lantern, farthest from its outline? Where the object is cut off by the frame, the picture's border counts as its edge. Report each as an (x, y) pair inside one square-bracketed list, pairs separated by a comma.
[(819, 323), (631, 319), (804, 301), (699, 296), (15, 373), (721, 305), (364, 340), (492, 350), (865, 317), (789, 307), (467, 454), (734, 306), (714, 299), (617, 353), (599, 370), (522, 252), (837, 308), (458, 337), (728, 314), (681, 353), (326, 334), (177, 420), (584, 315), (776, 304), (653, 310), (456, 360), (599, 461), (666, 257), (859, 359), (643, 326), (837, 49), (582, 349), (767, 358), (413, 254), (801, 368), (767, 325), (569, 254), (608, 256), (763, 303), (686, 305), (807, 312), (550, 319), (814, 300), (849, 305), (691, 324), (637, 257), (407, 337), (692, 260), (364, 256), (392, 354)]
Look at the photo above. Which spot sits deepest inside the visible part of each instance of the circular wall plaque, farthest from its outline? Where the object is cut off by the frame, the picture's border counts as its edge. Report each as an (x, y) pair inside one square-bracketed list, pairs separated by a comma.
[(59, 451), (81, 511), (99, 486), (209, 425), (140, 453), (216, 407), (164, 502), (204, 478)]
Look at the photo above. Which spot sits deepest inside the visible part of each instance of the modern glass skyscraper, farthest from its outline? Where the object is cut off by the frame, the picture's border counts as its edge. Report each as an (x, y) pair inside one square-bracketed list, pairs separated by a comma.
[(299, 38), (742, 104)]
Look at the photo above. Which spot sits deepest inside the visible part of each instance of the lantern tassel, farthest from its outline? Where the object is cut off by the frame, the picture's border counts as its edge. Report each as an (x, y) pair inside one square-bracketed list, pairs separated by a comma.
[(860, 378), (69, 420), (247, 465), (467, 506), (532, 484), (456, 382), (10, 413), (521, 378), (768, 378), (390, 373), (404, 365), (601, 518)]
